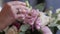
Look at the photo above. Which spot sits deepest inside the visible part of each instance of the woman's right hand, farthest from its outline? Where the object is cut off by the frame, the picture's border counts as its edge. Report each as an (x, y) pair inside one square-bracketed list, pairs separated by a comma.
[(9, 13)]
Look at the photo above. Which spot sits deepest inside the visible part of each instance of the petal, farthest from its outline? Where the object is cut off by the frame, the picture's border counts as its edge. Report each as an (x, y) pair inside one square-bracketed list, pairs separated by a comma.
[(46, 30)]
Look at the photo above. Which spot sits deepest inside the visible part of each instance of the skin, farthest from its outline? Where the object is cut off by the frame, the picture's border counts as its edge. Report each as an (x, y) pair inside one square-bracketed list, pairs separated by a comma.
[(9, 14)]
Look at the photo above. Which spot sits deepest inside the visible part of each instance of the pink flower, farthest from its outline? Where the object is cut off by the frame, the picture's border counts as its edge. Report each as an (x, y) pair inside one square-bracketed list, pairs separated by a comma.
[(31, 17), (38, 23), (46, 30), (42, 20), (34, 17)]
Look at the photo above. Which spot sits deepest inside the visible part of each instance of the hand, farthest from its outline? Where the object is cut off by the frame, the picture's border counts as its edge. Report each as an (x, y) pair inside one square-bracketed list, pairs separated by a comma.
[(10, 13)]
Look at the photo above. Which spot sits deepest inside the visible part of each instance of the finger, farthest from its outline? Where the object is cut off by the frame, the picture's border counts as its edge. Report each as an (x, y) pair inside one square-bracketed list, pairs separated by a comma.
[(20, 17), (18, 8), (16, 3), (15, 10), (23, 9)]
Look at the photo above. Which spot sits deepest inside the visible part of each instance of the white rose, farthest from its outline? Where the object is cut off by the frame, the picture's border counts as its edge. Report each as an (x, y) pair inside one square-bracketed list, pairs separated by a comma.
[(58, 10), (44, 19), (12, 30), (50, 12), (58, 16)]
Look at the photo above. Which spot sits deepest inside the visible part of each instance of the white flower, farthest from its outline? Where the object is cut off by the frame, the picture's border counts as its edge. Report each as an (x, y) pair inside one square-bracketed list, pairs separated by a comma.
[(58, 10), (44, 19), (6, 28), (12, 30), (58, 16), (50, 12)]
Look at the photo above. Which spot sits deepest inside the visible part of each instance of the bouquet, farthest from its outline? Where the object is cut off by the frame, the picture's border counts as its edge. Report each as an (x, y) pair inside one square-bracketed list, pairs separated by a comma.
[(33, 21)]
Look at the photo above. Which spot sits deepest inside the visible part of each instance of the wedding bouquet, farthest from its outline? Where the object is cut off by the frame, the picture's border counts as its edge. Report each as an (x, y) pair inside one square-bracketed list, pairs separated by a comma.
[(33, 21)]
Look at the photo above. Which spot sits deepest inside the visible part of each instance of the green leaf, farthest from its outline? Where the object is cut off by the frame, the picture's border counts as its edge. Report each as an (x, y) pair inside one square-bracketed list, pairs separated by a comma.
[(51, 8), (54, 29), (24, 27), (22, 33), (58, 22), (41, 31), (27, 32), (40, 6)]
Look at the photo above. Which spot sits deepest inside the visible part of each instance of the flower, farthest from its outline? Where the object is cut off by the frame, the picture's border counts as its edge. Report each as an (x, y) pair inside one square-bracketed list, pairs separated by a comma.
[(46, 30), (38, 23), (44, 19), (12, 30), (31, 17), (37, 18), (58, 17), (58, 10), (50, 12)]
